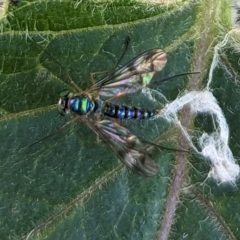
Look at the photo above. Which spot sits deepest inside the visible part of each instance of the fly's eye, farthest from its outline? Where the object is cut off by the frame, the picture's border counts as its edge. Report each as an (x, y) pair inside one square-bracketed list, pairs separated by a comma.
[(61, 102), (61, 106)]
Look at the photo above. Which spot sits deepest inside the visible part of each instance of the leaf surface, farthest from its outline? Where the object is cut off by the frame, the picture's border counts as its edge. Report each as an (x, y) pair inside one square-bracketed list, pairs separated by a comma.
[(71, 186)]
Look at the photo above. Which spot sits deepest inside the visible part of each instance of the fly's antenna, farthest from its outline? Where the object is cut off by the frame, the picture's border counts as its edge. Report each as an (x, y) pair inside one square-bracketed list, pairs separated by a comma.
[(170, 78)]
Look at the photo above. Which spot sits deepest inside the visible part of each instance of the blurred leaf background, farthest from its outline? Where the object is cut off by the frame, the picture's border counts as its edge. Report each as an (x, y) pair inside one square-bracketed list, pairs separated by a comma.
[(71, 186)]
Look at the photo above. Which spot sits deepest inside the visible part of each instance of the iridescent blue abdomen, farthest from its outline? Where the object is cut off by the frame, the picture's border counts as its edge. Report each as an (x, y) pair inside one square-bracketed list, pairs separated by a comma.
[(116, 111), (81, 105)]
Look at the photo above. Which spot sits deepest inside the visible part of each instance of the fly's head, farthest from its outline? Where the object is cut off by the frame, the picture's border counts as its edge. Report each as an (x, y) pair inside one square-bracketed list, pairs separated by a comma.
[(63, 106)]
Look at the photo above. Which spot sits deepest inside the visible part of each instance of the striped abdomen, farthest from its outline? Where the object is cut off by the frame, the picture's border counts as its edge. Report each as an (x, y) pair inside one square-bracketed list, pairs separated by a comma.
[(116, 111)]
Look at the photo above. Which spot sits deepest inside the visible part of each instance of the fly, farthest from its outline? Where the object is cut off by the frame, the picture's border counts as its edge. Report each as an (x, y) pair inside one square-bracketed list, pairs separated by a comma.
[(97, 100)]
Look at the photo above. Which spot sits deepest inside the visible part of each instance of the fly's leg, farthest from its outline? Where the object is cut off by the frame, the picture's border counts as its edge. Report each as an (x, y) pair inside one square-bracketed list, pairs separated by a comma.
[(127, 41), (50, 135), (72, 82), (93, 119), (97, 73), (98, 119)]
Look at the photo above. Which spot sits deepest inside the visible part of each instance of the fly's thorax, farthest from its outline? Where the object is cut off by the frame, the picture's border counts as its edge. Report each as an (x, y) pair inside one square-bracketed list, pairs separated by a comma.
[(79, 104)]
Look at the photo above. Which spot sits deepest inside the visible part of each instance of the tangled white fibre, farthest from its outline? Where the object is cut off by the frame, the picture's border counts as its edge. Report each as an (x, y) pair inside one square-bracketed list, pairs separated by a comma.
[(214, 146)]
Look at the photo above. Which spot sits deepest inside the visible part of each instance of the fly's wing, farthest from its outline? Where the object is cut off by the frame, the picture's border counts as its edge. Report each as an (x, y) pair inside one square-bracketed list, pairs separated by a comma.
[(129, 148), (134, 75)]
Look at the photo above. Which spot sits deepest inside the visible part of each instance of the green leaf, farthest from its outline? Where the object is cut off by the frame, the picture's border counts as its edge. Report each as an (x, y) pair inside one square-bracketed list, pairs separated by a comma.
[(70, 185)]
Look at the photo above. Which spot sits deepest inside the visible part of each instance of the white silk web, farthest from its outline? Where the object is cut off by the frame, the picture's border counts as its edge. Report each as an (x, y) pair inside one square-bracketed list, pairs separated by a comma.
[(214, 146)]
